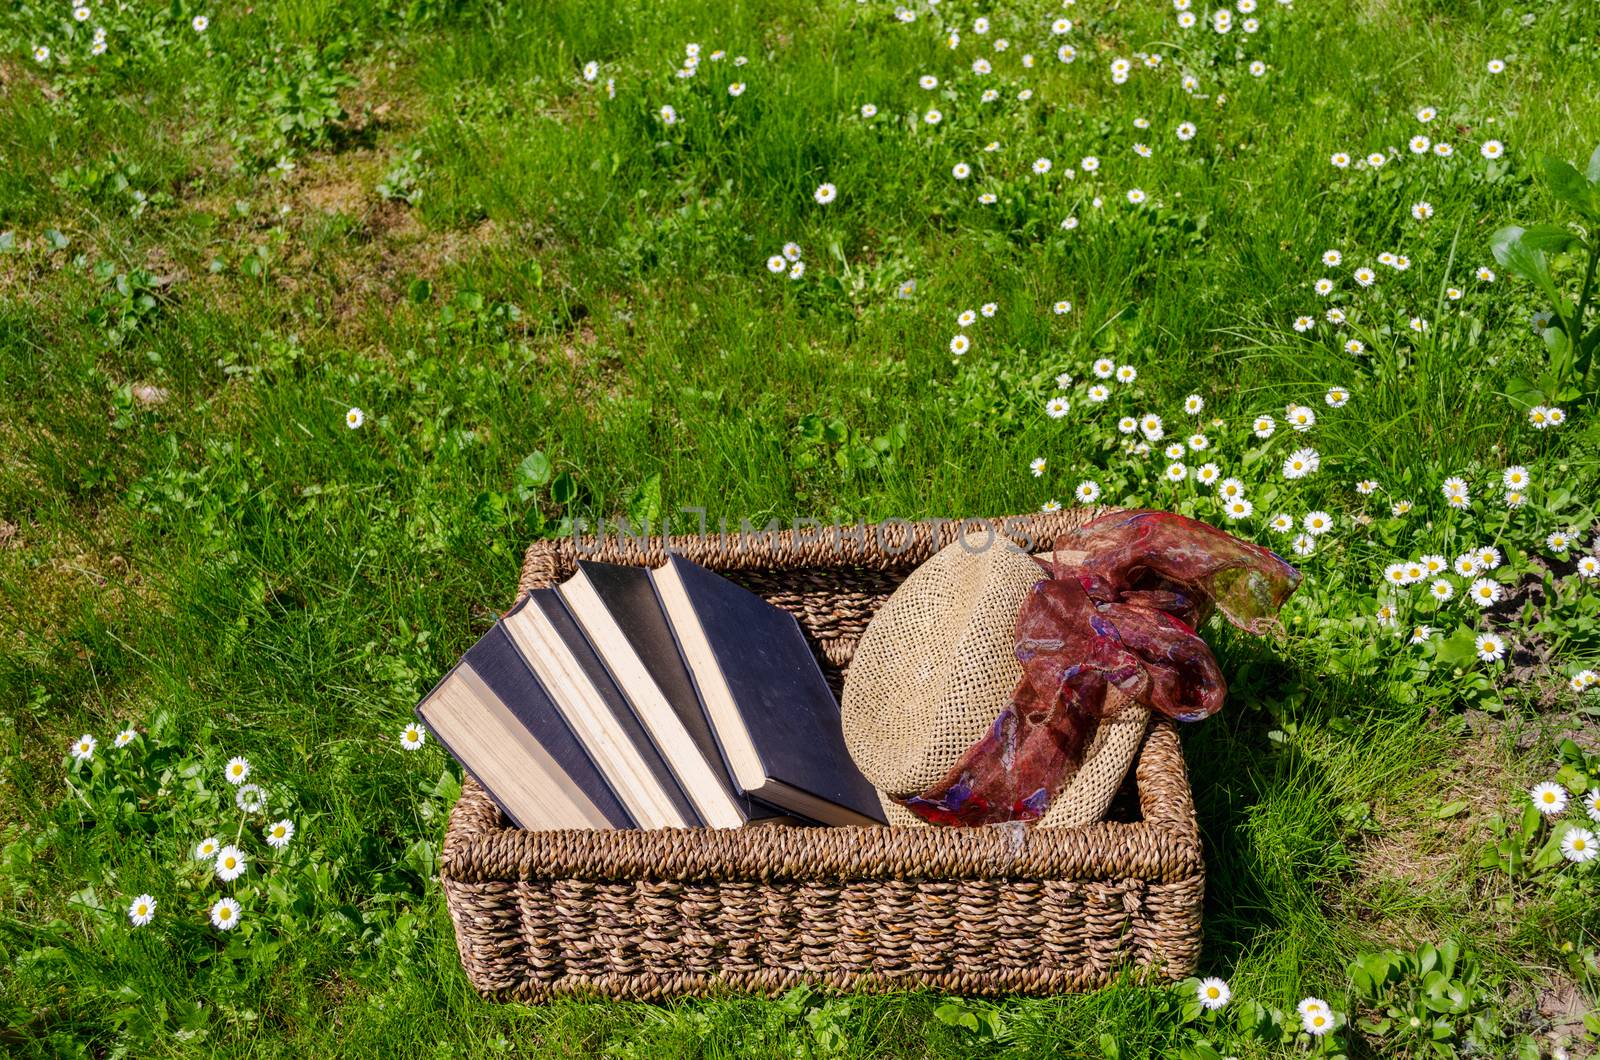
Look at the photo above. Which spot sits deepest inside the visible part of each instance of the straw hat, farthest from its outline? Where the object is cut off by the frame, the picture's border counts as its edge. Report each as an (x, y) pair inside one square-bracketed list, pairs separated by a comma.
[(937, 665)]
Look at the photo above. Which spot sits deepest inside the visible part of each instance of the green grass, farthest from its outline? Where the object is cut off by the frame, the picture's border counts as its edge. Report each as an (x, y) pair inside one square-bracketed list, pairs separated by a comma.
[(235, 572)]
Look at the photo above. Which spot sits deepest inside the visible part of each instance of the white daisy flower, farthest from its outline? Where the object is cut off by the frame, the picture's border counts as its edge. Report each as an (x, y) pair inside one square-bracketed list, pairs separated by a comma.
[(236, 770), (83, 747), (1264, 426), (1150, 425), (1037, 466), (1041, 166), (1089, 163), (989, 309), (1549, 798), (1304, 545), (1557, 542), (1578, 845), (777, 263), (1206, 474), (869, 110), (1365, 276), (1490, 646), (1485, 592), (1301, 463), (1283, 523), (1591, 802), (1340, 160), (961, 171), (1588, 567), (225, 914), (142, 910), (231, 863), (1237, 508), (1194, 404), (1419, 144), (1420, 634), (1056, 407), (1186, 130), (1099, 392), (736, 89), (1496, 66), (1212, 993), (669, 116), (1317, 523), (1062, 308), (1317, 1022), (1087, 492), (1492, 149), (125, 737), (933, 117), (960, 344), (1136, 196), (1176, 472), (1489, 557), (1300, 417), (1127, 424), (354, 418), (207, 848), (591, 70), (1050, 506), (1304, 324), (278, 834), (250, 798), (200, 22), (825, 194), (1421, 211), (1515, 477), (1399, 508)]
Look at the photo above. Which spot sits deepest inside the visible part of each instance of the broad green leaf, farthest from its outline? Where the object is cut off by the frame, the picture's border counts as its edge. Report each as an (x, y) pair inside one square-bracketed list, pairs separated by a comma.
[(1568, 185), (564, 488), (1523, 260), (1552, 239), (534, 470), (1593, 172), (1458, 647)]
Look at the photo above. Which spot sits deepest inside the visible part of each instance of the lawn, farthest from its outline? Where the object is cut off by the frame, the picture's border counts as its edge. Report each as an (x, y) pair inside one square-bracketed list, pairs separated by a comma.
[(313, 315)]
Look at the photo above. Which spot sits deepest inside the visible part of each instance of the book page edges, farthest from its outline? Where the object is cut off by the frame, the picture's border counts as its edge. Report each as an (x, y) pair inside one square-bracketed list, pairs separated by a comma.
[(508, 761)]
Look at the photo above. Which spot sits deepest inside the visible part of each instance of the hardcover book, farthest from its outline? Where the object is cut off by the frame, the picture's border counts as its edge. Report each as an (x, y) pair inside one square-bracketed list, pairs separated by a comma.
[(772, 712)]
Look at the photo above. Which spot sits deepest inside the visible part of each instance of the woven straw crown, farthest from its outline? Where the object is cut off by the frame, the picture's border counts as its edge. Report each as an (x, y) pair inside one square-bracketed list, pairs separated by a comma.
[(938, 664)]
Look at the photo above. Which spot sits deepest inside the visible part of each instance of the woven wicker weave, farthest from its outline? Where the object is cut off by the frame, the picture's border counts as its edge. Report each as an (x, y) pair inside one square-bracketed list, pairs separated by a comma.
[(654, 914)]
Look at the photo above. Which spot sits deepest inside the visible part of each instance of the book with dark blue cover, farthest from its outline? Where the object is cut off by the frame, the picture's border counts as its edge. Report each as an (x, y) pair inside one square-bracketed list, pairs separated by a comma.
[(552, 642), (492, 714), (622, 617), (774, 716)]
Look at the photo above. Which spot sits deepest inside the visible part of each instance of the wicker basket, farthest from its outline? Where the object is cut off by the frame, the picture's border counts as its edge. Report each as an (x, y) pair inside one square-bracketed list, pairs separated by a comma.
[(661, 913)]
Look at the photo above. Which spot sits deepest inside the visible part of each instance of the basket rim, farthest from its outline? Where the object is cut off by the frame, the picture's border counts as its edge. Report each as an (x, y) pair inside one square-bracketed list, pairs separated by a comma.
[(885, 545)]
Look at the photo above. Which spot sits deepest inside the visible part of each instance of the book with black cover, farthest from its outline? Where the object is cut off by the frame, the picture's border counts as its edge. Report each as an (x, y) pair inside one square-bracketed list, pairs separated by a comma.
[(619, 611), (773, 714), (492, 714), (554, 646)]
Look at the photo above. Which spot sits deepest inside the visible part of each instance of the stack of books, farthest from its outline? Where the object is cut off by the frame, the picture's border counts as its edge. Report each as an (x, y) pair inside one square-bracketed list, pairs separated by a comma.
[(630, 697)]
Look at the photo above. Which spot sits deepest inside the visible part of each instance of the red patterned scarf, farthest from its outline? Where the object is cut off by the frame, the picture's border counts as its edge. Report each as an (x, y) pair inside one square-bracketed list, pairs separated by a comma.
[(1118, 607)]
